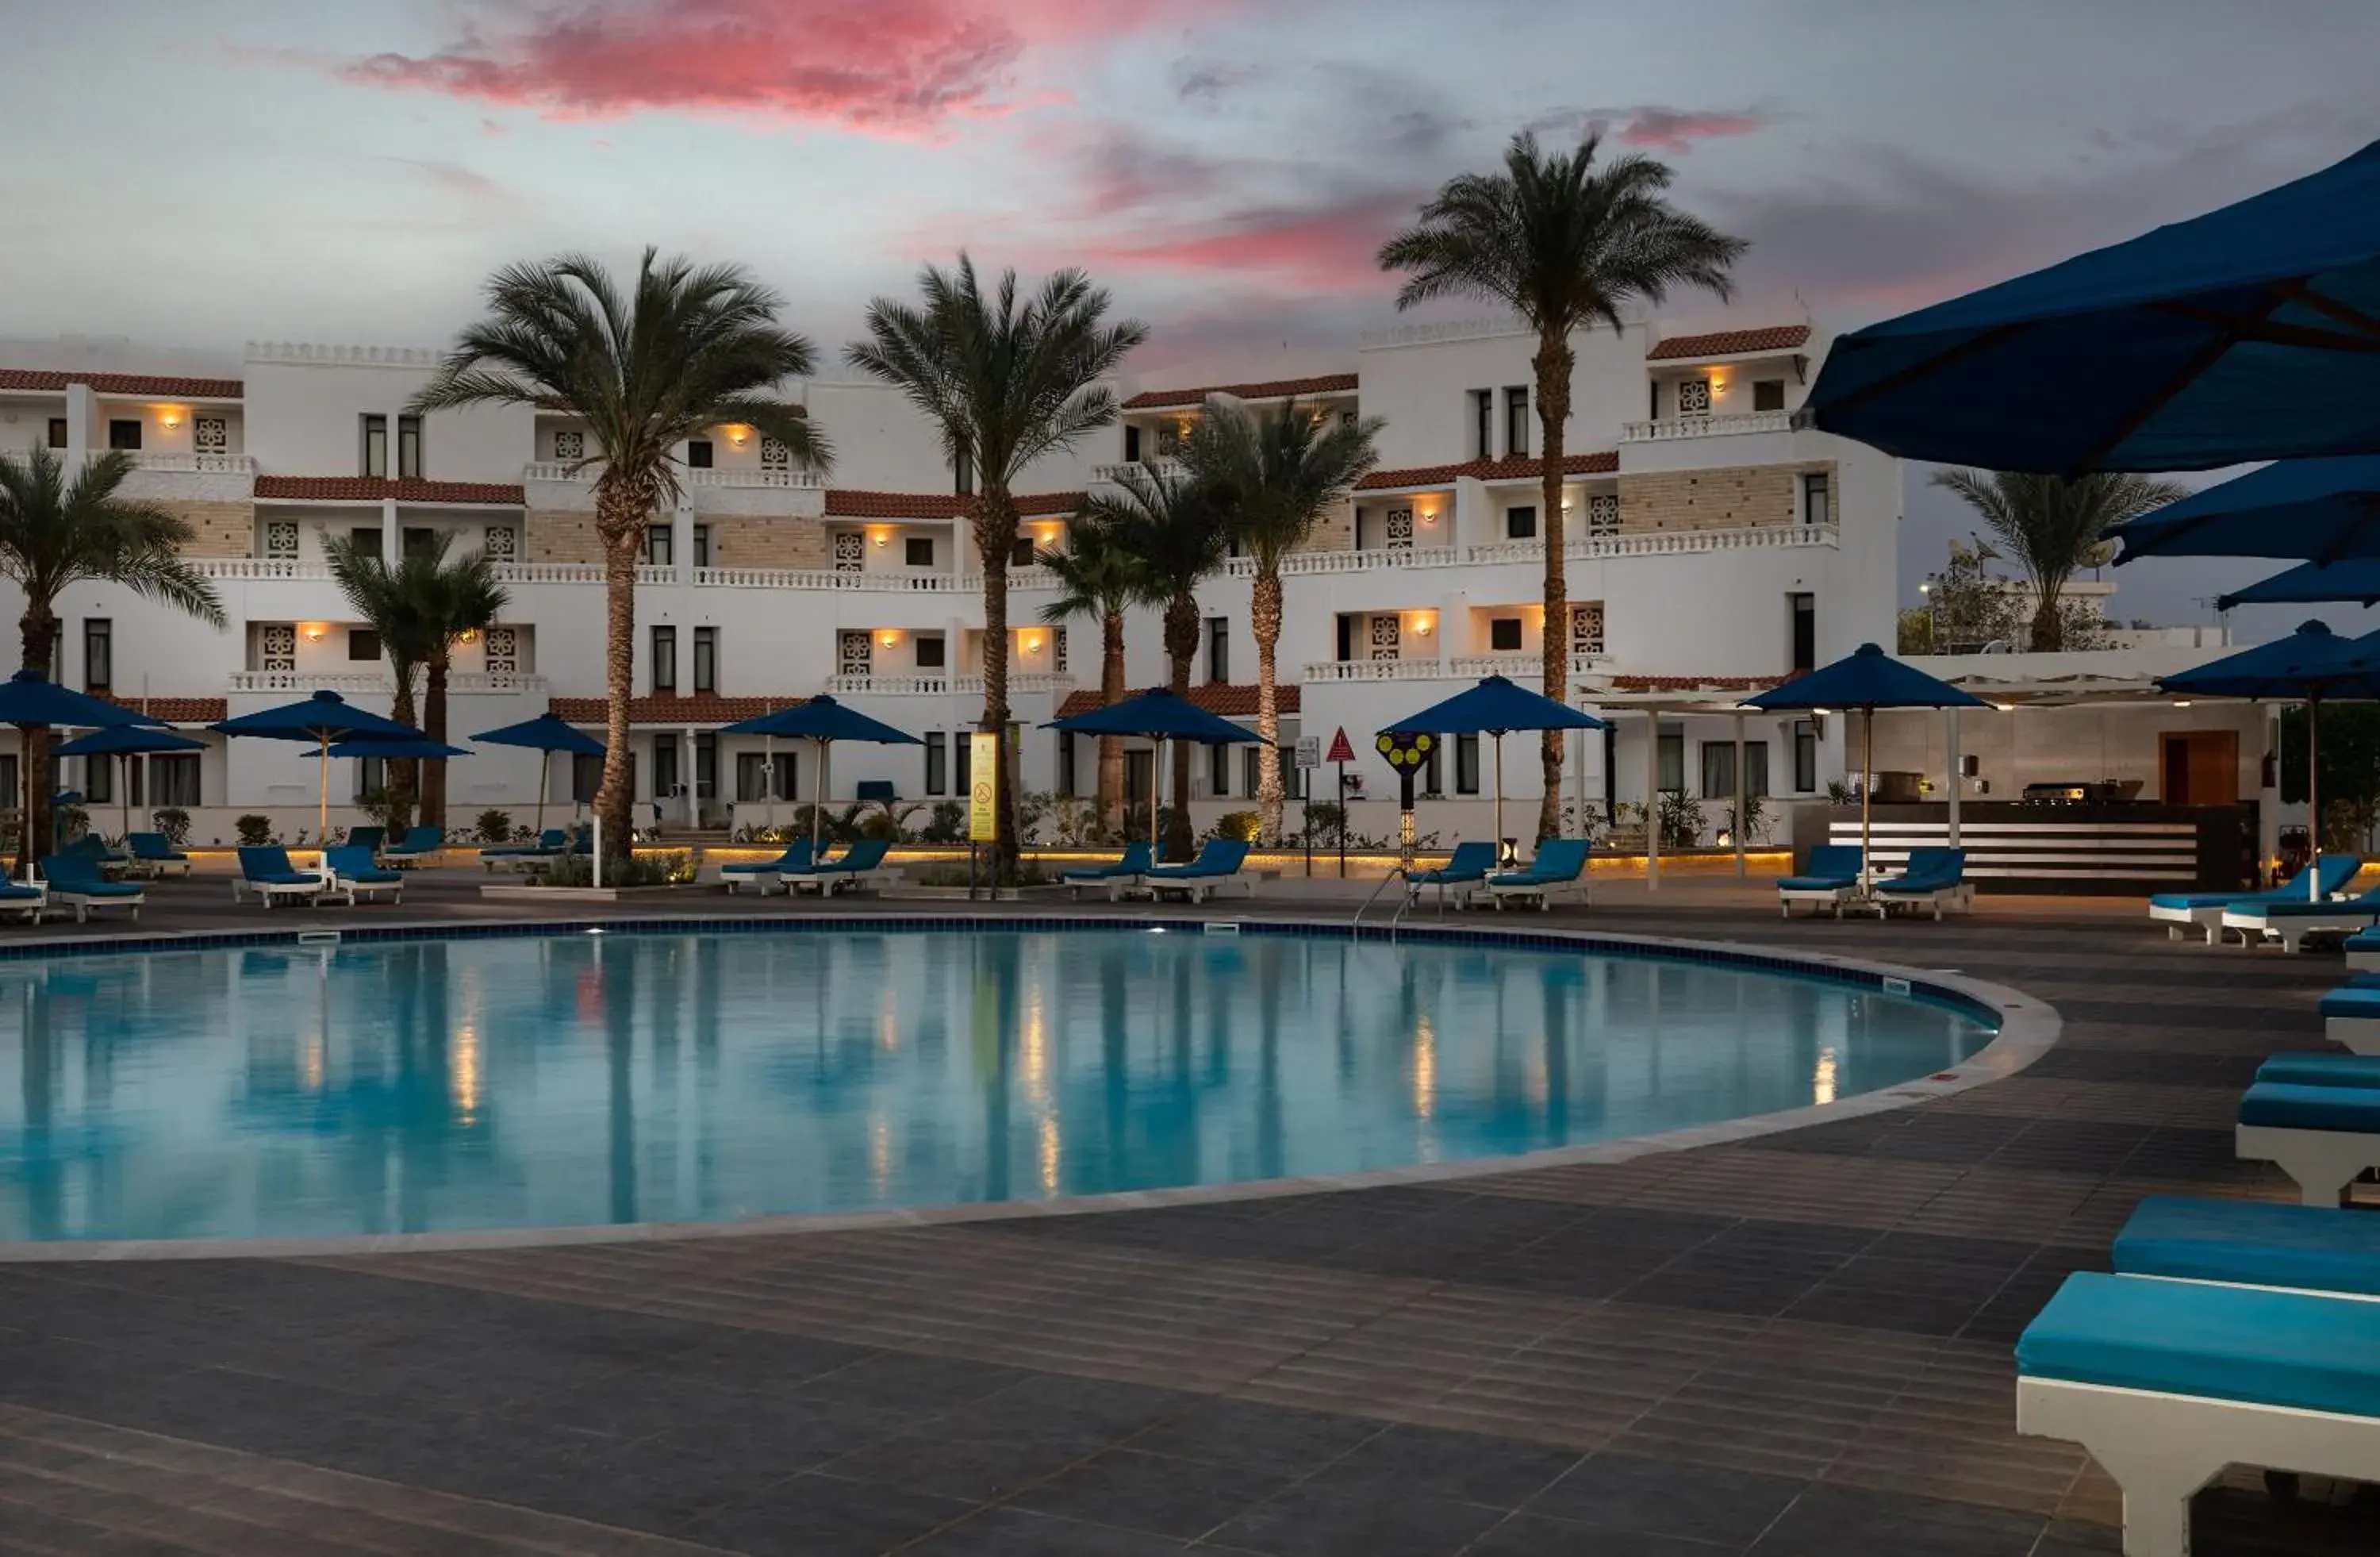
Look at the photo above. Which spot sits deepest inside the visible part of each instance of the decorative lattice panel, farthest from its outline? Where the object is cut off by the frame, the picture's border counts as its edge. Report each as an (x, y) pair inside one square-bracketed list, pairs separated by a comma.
[(504, 651), (1693, 397), (1058, 649), (855, 653), (211, 434), (774, 455), (850, 551), (1587, 627), (276, 647), (1399, 529), (1169, 440), (1388, 634), (1603, 514), (501, 542), (281, 538), (570, 443)]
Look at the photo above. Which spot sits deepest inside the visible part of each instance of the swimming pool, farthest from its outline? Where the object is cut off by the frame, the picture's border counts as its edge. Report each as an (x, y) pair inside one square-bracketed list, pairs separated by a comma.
[(423, 1085)]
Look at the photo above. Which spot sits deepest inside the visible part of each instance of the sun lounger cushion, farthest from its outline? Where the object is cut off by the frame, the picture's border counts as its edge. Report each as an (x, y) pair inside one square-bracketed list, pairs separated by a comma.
[(2354, 998), (2299, 908), (2276, 1106), (1470, 862), (1557, 860), (2252, 1242), (352, 864), (17, 891), (795, 859), (1929, 869), (154, 848), (2364, 940), (1832, 867), (2218, 1342), (82, 881), (1219, 856), (864, 856), (1137, 858), (268, 865), (2321, 1070)]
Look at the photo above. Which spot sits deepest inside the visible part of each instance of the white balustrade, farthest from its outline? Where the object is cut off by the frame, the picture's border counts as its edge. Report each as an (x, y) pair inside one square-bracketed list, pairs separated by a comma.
[(1377, 670), (823, 579), (549, 573), (754, 476), (1511, 666), (560, 470), (1507, 551), (1705, 427), (1685, 542), (1162, 468), (890, 686), (259, 567), (368, 683), (475, 683), (1019, 682), (1366, 561), (648, 573), (197, 464)]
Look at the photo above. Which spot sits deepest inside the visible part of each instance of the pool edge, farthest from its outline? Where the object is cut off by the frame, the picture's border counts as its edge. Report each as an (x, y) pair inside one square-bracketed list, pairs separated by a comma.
[(2029, 1028)]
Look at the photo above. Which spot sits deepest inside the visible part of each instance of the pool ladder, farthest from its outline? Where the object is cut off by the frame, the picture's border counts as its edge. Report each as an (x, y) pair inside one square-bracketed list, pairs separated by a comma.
[(1403, 907)]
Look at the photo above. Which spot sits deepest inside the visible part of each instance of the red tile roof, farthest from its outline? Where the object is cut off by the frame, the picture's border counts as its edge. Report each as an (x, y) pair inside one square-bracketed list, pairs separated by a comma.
[(372, 489), (1222, 699), (144, 385), (179, 710), (1511, 469), (1272, 389), (705, 708), (1730, 343), (1694, 683), (844, 505)]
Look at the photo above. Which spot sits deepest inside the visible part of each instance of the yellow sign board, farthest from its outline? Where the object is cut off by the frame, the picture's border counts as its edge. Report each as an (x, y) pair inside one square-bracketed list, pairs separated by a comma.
[(983, 788)]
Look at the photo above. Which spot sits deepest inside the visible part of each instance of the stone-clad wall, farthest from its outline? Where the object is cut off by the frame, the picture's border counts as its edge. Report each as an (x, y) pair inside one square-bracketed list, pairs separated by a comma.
[(560, 535), (1732, 498), (778, 541), (218, 529)]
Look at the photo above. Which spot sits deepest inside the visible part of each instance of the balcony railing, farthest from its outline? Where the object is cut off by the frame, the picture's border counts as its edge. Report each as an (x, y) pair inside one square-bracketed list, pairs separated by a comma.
[(891, 686), (649, 573), (1163, 468), (259, 567), (377, 682), (549, 573), (1523, 668), (1019, 682), (755, 477), (1705, 427), (823, 579), (560, 470), (197, 464)]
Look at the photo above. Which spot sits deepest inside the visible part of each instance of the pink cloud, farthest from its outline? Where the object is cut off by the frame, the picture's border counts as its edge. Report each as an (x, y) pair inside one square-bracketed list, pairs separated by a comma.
[(1677, 129), (1328, 250), (884, 66)]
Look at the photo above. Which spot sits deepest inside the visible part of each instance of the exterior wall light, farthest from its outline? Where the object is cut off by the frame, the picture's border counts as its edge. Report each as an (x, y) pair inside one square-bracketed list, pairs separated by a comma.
[(314, 632), (888, 639)]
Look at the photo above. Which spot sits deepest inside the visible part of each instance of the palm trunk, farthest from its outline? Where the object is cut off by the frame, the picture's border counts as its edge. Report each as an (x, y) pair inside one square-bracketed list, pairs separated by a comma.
[(1553, 363), (1181, 649), (1263, 616), (1112, 747), (619, 524), (433, 725), (404, 779), (39, 630), (2048, 635), (995, 537)]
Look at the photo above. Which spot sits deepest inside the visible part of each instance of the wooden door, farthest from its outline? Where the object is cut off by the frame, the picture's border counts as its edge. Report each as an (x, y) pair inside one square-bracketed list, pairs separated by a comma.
[(2200, 767)]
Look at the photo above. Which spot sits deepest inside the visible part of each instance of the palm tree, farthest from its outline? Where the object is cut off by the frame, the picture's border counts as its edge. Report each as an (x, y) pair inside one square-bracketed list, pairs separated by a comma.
[(386, 597), (453, 601), (1280, 474), (56, 533), (1563, 244), (2053, 525), (687, 349), (1174, 528), (1005, 384), (1096, 579)]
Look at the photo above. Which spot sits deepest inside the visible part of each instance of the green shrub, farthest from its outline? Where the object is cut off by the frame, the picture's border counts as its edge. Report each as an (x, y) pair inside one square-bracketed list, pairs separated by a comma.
[(254, 831), (495, 827), (675, 868), (1241, 825), (948, 824), (172, 821)]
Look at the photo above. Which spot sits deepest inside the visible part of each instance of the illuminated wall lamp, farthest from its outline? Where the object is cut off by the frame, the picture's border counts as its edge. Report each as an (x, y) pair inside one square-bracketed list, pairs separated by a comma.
[(313, 634), (1422, 626), (738, 436), (169, 419), (888, 640), (1033, 643)]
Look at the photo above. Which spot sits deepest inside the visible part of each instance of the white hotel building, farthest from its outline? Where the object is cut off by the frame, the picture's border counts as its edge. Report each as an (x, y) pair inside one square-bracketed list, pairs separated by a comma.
[(1711, 547)]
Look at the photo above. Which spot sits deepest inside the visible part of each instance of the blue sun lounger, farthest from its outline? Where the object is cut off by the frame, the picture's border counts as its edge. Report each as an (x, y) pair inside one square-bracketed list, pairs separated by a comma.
[(855, 869), (2324, 1137), (2167, 1383), (2289, 921), (1934, 876), (2174, 909), (2252, 1242), (1217, 866), (1829, 880), (28, 899), (1558, 870), (153, 854), (418, 844), (1114, 878), (2350, 1017), (760, 875), (265, 869), (1465, 871), (75, 882), (2321, 1070), (354, 874)]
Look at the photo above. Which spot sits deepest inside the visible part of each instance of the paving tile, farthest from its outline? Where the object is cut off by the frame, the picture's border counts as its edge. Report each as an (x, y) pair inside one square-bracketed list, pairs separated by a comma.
[(1357, 1517), (1621, 1493), (1008, 1532), (1182, 1499), (1530, 1535), (1827, 1520)]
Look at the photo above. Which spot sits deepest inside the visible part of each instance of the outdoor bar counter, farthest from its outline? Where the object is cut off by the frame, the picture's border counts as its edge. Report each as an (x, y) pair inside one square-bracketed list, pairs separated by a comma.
[(2093, 849)]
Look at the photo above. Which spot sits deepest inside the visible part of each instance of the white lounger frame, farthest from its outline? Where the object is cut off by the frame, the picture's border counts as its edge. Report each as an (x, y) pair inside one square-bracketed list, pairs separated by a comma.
[(2162, 1448), (1115, 886), (33, 909), (828, 882), (2291, 929), (2357, 1035), (2324, 1162), (58, 897), (312, 892), (347, 890), (1199, 889), (1817, 897), (1961, 896), (2359, 960), (760, 882), (1544, 892), (2208, 919)]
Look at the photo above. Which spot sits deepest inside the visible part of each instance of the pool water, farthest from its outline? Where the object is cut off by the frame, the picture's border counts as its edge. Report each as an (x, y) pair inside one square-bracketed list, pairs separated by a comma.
[(431, 1086)]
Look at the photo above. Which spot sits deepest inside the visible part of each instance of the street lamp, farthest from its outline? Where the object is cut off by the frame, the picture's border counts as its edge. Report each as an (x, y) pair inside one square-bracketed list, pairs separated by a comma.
[(1933, 632)]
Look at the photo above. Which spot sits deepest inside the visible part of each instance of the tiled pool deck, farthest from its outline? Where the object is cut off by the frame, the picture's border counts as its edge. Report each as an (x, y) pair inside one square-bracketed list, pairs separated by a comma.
[(1797, 1345)]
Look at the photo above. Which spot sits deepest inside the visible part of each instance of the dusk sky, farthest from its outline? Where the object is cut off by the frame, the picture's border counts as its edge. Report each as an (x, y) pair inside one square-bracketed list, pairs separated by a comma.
[(195, 175)]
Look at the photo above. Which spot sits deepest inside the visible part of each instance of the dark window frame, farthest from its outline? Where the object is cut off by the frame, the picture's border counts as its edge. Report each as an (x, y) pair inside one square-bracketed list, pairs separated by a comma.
[(701, 545), (98, 653), (124, 433), (1818, 498), (698, 454), (1520, 521), (371, 456), (1498, 633), (364, 638), (1801, 629), (1218, 649), (1219, 772), (1467, 765), (168, 770), (1483, 423), (938, 764), (661, 545), (941, 650), (1805, 756), (662, 646), (911, 553), (705, 660), (1767, 395), (1516, 421), (59, 433), (408, 449)]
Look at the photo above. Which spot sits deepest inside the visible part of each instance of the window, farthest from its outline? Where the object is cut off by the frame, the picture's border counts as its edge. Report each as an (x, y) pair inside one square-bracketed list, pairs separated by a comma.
[(1218, 649), (698, 454), (702, 546), (372, 776), (420, 540), (1805, 756), (962, 758), (57, 432), (1521, 522), (919, 551), (1218, 771), (1694, 398), (124, 433), (1428, 777), (586, 777), (1817, 499), (660, 546), (98, 654), (366, 539), (363, 643), (1132, 445), (1483, 424), (373, 461), (1065, 763), (1252, 770), (173, 779), (938, 763), (1467, 765), (99, 780), (408, 449), (1669, 763), (963, 473), (706, 764), (1516, 420), (665, 658), (1020, 551), (1346, 635), (666, 779), (1504, 635), (1769, 394), (932, 652), (1652, 407), (763, 776), (706, 658), (1718, 769), (8, 780), (1802, 611)]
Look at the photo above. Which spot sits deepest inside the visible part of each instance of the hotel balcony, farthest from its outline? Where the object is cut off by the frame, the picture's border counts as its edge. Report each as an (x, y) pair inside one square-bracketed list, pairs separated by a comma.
[(1522, 668), (378, 684), (1705, 427)]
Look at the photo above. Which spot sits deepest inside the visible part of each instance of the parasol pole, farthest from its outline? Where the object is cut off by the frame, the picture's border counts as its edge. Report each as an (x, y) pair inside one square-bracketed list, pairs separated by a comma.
[(544, 777), (1867, 797), (817, 800), (2313, 799), (123, 792), (322, 838), (1499, 797)]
